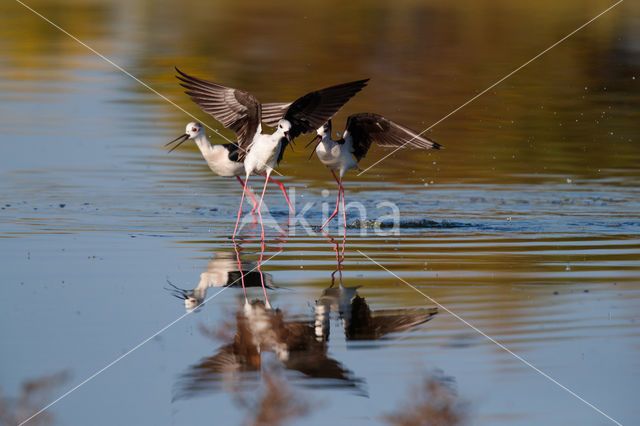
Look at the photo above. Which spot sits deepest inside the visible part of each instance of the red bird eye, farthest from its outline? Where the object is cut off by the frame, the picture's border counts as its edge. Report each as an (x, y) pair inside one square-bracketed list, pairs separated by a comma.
[(194, 129)]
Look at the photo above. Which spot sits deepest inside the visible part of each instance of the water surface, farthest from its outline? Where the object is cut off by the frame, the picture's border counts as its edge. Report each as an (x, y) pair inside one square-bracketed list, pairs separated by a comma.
[(526, 225)]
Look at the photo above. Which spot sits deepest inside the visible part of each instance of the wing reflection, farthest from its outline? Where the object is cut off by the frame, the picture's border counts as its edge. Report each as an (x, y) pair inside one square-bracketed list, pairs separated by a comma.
[(298, 345), (358, 321), (222, 271), (258, 330)]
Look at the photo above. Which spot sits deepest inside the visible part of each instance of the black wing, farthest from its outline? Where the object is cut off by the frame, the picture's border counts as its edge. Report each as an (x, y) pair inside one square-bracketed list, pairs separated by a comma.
[(233, 151), (365, 326), (314, 109), (366, 128), (235, 109)]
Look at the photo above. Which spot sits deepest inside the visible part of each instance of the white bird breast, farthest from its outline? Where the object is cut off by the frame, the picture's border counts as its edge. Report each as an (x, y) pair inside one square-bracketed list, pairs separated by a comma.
[(263, 154)]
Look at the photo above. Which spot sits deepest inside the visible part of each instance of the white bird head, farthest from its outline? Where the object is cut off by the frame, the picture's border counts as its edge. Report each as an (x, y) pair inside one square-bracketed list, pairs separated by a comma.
[(283, 128), (191, 300), (285, 125), (325, 129), (322, 132), (192, 130)]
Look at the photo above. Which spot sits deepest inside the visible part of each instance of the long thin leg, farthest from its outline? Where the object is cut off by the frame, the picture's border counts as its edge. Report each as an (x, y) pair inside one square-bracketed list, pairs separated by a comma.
[(344, 210), (338, 268), (244, 189), (259, 268), (334, 212), (344, 242), (244, 289), (284, 191), (339, 256), (253, 199), (337, 201), (264, 188)]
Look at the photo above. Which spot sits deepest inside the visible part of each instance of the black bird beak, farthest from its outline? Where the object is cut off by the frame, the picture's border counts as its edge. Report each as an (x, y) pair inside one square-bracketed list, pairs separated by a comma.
[(286, 134), (180, 138), (317, 140), (177, 291)]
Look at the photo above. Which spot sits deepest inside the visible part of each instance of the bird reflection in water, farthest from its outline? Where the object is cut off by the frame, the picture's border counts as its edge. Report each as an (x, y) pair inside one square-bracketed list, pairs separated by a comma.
[(298, 345), (358, 320), (259, 330), (224, 270)]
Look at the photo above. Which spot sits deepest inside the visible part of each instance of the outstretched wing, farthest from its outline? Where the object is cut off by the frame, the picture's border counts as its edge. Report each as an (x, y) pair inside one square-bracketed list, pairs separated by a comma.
[(235, 109), (365, 128), (273, 112), (316, 108)]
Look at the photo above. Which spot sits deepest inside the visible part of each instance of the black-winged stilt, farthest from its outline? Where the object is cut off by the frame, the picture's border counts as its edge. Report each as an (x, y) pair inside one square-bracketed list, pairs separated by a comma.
[(222, 159), (361, 131), (223, 270), (257, 330), (241, 112)]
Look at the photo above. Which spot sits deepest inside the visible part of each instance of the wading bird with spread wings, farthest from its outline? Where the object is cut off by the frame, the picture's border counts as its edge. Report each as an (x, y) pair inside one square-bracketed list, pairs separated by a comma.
[(242, 112), (361, 131)]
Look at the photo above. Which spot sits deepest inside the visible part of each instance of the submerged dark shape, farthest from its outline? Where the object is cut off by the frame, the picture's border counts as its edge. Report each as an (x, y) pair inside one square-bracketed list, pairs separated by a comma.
[(34, 394), (260, 330), (275, 405), (434, 402)]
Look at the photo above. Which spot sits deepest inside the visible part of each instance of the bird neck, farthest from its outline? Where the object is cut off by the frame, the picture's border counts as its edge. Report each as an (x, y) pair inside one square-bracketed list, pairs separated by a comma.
[(278, 134), (199, 293), (203, 144), (214, 155), (327, 140)]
